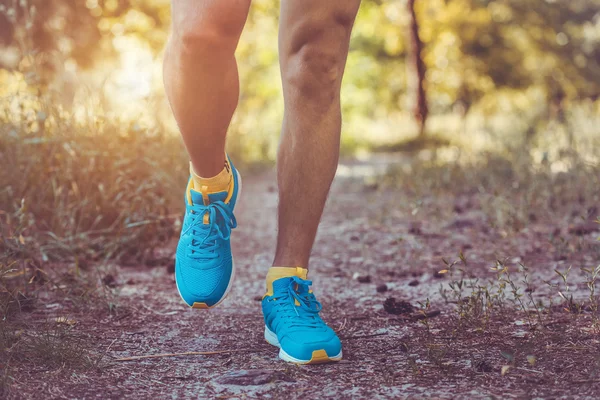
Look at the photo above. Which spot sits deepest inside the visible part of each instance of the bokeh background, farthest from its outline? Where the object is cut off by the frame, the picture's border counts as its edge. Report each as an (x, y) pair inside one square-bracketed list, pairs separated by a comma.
[(86, 132), (497, 74)]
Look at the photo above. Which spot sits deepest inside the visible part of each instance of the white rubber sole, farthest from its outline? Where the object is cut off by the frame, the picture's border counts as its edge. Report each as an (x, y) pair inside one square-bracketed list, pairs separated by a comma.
[(319, 356), (230, 284)]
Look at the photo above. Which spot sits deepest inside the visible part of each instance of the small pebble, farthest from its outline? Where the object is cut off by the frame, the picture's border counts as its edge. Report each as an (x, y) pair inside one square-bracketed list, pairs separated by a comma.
[(393, 306), (361, 278), (109, 281), (381, 288), (171, 267)]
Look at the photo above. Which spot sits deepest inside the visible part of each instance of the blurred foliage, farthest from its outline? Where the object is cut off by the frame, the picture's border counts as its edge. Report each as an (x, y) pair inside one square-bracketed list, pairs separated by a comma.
[(535, 60)]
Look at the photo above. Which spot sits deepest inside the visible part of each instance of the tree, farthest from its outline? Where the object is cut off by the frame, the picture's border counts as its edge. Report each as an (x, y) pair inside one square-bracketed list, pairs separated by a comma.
[(417, 69)]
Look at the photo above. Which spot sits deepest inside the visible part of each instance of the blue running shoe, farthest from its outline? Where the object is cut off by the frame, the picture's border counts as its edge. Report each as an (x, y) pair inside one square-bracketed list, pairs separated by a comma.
[(293, 324), (204, 267)]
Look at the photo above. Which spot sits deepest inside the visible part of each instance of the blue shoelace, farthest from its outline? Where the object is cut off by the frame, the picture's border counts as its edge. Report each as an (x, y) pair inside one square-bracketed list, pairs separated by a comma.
[(304, 315), (206, 236)]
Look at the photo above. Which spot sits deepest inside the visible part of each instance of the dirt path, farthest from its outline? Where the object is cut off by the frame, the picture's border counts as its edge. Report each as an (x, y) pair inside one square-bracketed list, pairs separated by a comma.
[(375, 233)]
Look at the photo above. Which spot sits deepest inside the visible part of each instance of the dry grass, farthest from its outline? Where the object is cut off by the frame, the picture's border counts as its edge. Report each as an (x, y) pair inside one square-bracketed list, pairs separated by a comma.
[(82, 191), (512, 190), (75, 195), (87, 194)]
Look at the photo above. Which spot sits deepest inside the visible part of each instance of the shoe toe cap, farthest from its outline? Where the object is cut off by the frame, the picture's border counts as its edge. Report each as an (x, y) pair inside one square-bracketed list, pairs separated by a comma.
[(301, 346), (206, 286)]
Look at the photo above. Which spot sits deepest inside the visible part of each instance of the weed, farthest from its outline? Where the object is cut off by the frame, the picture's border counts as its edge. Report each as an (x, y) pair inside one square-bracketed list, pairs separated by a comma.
[(424, 308), (591, 278), (52, 345), (5, 381), (529, 290), (438, 354), (517, 292), (477, 304), (569, 304), (79, 192), (474, 301), (65, 192), (512, 190)]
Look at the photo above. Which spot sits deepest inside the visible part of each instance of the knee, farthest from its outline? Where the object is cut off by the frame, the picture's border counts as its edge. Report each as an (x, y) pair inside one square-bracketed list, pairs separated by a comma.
[(208, 28), (316, 58)]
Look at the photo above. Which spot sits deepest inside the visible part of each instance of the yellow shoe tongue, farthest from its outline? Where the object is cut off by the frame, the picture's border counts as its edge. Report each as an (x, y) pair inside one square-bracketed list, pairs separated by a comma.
[(283, 272), (205, 197)]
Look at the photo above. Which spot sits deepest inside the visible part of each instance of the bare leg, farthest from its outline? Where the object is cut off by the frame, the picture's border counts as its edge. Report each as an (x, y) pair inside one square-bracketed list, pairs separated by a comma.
[(313, 47), (201, 77)]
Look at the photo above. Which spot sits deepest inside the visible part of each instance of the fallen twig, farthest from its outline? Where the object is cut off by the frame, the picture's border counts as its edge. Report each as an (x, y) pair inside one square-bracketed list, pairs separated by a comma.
[(586, 381), (163, 313), (188, 353), (363, 336), (529, 370), (422, 315), (105, 351), (343, 325)]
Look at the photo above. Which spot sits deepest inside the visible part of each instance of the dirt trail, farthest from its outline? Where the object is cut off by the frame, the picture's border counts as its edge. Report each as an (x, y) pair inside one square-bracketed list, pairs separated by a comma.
[(375, 233)]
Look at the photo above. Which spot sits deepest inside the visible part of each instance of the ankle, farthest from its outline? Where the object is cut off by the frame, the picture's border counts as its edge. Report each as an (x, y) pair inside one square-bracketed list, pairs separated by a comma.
[(207, 168), (276, 272), (286, 255)]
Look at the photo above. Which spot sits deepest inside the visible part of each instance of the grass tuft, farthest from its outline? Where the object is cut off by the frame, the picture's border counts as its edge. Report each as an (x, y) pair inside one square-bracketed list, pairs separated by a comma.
[(85, 190)]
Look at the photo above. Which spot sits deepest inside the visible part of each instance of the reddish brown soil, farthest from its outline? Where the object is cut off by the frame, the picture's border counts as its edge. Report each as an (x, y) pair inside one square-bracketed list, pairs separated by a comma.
[(366, 231)]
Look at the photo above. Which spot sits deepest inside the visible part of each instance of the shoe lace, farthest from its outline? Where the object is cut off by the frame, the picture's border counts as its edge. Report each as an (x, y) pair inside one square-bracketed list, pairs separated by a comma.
[(297, 306), (206, 236)]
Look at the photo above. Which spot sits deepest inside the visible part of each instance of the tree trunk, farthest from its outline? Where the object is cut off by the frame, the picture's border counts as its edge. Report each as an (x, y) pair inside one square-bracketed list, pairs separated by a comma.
[(417, 70)]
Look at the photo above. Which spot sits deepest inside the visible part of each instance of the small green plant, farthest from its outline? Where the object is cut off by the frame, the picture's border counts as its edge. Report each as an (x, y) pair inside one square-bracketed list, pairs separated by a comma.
[(591, 279), (529, 290), (424, 308), (518, 293), (475, 302), (569, 304)]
